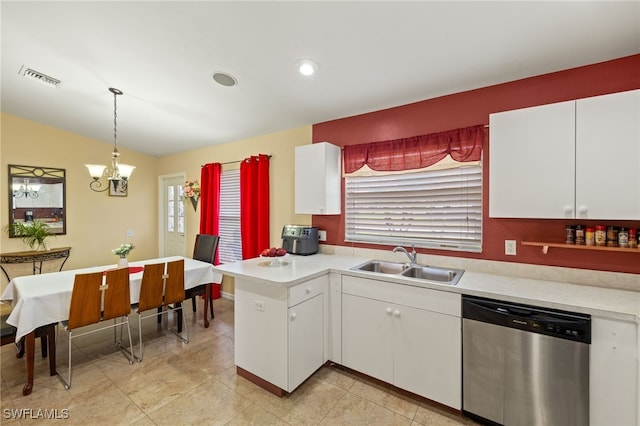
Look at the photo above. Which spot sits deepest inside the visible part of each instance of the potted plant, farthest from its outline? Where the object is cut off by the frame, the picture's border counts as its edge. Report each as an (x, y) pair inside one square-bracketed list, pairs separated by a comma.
[(33, 233)]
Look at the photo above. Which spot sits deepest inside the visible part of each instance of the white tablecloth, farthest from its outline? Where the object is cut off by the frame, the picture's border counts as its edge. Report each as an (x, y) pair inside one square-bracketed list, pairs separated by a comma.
[(44, 299)]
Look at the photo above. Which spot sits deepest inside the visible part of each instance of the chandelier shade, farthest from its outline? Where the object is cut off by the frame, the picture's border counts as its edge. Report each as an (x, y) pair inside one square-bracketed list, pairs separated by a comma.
[(118, 174)]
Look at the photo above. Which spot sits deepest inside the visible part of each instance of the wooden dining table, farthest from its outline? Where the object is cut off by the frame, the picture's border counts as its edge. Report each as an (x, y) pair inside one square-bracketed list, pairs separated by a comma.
[(40, 300)]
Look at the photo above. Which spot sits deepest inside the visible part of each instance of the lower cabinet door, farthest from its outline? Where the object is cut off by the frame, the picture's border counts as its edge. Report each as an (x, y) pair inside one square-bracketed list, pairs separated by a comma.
[(366, 337), (427, 356), (306, 340)]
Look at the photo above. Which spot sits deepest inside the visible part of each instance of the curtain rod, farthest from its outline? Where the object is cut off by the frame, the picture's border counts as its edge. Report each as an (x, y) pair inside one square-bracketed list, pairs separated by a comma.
[(234, 162)]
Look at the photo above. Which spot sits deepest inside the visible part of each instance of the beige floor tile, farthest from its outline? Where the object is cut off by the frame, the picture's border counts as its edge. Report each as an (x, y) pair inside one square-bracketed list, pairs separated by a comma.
[(255, 415), (308, 404), (336, 376), (208, 404), (428, 415), (355, 410), (241, 385), (386, 397)]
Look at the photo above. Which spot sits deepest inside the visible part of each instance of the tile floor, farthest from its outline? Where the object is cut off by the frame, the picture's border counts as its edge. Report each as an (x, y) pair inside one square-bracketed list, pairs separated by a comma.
[(195, 383)]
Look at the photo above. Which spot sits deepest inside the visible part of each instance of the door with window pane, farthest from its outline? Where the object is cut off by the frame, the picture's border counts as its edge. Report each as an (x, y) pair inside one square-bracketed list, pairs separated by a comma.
[(173, 217)]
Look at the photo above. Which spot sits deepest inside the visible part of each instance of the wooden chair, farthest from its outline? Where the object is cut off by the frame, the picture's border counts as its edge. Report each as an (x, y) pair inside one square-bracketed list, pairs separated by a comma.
[(205, 251), (159, 290), (93, 303)]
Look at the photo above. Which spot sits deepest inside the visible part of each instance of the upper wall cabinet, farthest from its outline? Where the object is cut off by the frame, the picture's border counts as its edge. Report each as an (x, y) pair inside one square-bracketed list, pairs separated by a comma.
[(317, 179), (576, 159)]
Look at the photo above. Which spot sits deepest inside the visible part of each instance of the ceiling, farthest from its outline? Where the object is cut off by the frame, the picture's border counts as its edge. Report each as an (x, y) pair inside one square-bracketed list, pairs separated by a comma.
[(371, 56)]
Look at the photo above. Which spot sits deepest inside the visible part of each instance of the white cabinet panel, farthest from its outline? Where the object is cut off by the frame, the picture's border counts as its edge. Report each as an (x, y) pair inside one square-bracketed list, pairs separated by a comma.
[(318, 179), (367, 344), (613, 373), (531, 162), (608, 156), (413, 348), (306, 339), (575, 159)]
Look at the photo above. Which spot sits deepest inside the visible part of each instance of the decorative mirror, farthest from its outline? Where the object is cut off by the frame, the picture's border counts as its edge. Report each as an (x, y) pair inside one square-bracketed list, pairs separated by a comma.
[(38, 193)]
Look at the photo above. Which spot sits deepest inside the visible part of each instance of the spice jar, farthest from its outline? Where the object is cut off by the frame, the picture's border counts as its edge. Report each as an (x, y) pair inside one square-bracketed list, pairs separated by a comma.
[(612, 236), (633, 238), (590, 236), (570, 234), (601, 235), (623, 237), (579, 234)]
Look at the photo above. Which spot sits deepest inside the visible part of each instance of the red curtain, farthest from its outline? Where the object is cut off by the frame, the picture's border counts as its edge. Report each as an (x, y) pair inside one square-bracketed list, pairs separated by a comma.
[(416, 152), (210, 200), (254, 205)]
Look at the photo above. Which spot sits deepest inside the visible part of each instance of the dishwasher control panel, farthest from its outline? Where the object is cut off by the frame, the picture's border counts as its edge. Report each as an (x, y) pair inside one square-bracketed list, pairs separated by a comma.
[(551, 322)]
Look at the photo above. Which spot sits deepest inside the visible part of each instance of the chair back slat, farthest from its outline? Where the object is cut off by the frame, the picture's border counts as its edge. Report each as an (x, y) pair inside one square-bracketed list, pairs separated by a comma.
[(151, 288), (117, 300), (174, 286), (86, 299), (205, 247)]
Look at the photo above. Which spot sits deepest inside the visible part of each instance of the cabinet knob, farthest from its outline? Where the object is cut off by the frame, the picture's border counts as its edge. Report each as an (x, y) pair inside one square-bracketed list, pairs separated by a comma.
[(388, 311), (568, 211), (396, 313), (308, 290), (582, 211), (293, 316)]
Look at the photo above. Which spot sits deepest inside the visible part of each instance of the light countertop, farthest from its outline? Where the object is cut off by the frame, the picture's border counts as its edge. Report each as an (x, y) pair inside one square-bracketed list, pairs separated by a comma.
[(598, 301)]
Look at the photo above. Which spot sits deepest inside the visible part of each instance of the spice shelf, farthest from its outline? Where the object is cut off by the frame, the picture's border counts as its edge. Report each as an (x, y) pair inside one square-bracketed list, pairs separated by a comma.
[(545, 247)]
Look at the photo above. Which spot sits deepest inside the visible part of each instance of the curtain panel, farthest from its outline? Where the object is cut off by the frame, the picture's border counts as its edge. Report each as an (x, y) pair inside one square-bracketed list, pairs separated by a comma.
[(254, 205), (416, 152), (210, 200)]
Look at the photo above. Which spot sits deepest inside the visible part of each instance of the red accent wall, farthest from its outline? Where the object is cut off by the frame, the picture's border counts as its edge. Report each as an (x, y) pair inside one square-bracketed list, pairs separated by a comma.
[(471, 108)]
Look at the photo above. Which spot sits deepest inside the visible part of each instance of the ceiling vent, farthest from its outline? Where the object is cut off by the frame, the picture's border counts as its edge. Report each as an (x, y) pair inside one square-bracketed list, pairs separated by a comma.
[(37, 75)]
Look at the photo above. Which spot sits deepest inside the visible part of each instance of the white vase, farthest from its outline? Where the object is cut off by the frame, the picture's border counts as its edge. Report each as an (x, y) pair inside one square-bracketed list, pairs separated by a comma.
[(123, 262)]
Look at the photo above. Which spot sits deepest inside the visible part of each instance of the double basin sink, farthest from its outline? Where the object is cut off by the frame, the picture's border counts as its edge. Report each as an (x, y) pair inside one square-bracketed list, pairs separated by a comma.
[(431, 274)]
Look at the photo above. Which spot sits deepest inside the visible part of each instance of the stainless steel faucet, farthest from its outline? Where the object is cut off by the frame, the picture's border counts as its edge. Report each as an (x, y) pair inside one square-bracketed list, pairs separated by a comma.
[(413, 256)]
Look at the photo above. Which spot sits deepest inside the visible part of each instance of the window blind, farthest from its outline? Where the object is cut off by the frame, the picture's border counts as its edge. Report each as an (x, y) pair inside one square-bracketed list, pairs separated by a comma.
[(439, 209), (230, 246)]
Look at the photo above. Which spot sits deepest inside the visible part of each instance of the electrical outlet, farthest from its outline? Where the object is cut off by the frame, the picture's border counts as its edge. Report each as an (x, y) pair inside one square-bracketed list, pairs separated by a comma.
[(259, 305), (510, 247), (322, 235), (129, 233)]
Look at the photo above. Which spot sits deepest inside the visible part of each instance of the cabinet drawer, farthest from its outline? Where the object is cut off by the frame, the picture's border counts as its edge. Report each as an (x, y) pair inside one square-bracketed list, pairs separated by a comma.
[(307, 290), (443, 302)]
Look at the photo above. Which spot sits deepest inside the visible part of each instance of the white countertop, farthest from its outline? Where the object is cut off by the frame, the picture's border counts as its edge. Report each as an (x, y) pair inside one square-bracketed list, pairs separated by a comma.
[(599, 301)]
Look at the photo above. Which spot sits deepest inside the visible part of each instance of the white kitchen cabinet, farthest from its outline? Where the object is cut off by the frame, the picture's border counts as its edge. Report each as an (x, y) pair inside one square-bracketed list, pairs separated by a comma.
[(608, 156), (613, 373), (317, 179), (306, 340), (403, 335), (574, 159), (280, 332)]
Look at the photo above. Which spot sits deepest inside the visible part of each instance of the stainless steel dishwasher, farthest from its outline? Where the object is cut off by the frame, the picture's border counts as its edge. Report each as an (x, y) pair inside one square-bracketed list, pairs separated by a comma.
[(524, 365)]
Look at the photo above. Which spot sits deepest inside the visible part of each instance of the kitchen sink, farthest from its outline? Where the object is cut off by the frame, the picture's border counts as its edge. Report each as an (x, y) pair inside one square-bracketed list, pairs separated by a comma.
[(430, 273), (382, 267), (417, 272)]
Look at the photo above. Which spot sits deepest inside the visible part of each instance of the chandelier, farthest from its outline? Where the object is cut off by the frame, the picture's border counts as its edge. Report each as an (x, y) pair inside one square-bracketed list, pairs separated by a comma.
[(118, 174), (25, 190)]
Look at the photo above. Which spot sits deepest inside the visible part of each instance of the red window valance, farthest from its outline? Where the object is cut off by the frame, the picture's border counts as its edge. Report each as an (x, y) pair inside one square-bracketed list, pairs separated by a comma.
[(416, 152)]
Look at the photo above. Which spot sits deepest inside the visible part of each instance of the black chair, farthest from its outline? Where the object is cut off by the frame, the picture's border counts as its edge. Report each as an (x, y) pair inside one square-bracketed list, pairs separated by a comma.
[(205, 251), (47, 336)]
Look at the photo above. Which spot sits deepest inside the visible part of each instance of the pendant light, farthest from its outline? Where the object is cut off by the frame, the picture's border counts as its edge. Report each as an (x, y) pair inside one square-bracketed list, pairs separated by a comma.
[(118, 174)]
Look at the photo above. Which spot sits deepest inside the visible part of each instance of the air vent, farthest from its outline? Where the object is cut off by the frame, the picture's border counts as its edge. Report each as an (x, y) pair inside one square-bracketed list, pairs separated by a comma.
[(37, 75)]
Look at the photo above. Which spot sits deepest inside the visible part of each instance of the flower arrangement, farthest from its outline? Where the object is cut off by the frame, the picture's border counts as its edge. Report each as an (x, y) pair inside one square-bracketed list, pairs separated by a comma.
[(123, 250), (191, 189)]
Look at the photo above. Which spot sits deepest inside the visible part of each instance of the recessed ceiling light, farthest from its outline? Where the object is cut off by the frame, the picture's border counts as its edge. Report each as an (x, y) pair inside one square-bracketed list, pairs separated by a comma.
[(224, 79), (307, 67)]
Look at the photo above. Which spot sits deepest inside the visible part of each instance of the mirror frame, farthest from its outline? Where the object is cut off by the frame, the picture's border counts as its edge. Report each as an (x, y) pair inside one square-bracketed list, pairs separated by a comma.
[(41, 174)]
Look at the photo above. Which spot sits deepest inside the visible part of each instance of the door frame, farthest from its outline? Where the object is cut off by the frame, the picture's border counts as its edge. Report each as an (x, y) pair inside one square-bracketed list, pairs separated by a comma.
[(162, 202)]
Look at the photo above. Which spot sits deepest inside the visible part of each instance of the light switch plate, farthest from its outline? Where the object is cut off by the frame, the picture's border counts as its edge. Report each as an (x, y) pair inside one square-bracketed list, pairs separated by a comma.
[(322, 235), (129, 233)]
